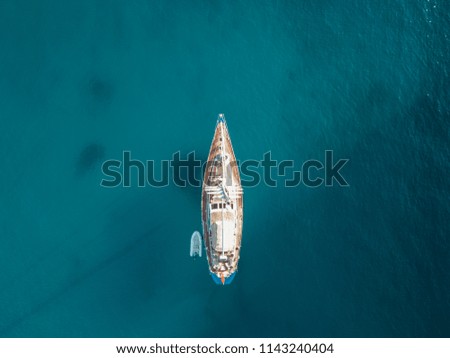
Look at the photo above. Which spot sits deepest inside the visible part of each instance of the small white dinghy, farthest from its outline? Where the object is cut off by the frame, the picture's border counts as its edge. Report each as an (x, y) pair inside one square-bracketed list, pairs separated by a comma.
[(196, 244)]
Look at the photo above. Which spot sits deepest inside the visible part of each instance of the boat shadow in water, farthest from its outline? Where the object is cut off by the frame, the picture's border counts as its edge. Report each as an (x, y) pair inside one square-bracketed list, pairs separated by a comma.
[(190, 176)]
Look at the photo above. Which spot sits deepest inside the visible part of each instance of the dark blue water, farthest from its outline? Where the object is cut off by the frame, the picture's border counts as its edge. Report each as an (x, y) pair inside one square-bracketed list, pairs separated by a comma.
[(81, 81)]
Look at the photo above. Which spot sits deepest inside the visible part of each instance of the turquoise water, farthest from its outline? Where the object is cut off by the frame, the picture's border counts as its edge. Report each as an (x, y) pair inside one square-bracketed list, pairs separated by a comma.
[(81, 81)]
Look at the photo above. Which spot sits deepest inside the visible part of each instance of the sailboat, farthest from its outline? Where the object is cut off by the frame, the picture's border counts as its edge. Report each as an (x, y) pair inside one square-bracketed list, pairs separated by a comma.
[(196, 245), (222, 207)]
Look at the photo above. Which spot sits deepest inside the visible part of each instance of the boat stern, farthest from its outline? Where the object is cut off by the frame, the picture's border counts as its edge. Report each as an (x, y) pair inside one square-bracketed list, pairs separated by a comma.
[(222, 280)]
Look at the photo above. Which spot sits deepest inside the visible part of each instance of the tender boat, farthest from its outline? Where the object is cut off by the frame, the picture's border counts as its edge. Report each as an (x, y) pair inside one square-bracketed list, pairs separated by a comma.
[(196, 244), (222, 207)]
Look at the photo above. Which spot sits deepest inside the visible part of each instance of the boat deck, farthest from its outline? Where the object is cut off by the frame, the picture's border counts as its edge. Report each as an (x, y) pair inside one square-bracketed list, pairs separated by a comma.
[(222, 193)]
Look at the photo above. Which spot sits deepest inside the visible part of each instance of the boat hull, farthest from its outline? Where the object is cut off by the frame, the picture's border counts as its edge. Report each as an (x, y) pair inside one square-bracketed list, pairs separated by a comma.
[(222, 207)]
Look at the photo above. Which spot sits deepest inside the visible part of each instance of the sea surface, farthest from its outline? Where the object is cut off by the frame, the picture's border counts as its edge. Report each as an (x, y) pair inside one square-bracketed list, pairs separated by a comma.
[(82, 81)]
